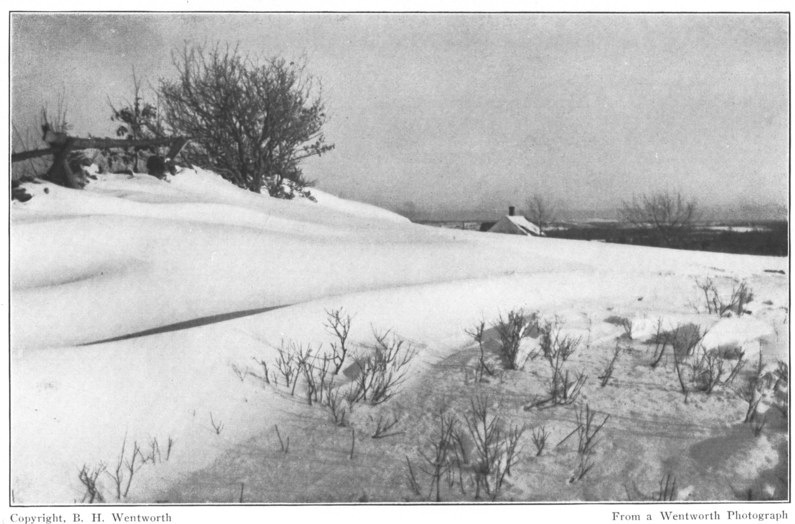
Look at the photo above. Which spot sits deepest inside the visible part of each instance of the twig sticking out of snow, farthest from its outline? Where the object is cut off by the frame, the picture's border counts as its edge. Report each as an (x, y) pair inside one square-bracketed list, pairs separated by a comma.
[(217, 426), (285, 446)]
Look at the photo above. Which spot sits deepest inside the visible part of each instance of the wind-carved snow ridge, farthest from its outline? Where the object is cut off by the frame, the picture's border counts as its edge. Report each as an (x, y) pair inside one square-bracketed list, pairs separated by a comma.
[(139, 256)]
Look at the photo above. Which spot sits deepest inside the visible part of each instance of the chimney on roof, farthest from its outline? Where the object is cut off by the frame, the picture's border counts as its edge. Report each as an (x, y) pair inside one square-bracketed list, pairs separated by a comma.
[(511, 210)]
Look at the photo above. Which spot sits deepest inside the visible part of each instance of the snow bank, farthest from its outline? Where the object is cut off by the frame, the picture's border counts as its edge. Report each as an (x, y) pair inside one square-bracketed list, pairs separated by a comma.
[(131, 254)]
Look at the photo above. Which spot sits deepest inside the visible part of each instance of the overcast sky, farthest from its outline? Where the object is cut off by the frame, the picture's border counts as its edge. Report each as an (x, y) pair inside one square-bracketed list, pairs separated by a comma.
[(461, 115)]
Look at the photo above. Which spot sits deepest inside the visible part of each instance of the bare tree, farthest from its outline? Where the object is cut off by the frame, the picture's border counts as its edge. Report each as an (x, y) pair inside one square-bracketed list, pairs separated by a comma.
[(669, 215), (541, 211), (251, 121)]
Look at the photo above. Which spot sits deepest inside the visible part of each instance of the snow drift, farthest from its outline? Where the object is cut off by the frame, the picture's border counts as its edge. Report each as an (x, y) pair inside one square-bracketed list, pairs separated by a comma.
[(133, 254)]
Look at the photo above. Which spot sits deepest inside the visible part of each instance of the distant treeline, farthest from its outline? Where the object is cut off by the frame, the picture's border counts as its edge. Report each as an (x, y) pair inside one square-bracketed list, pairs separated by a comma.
[(771, 239)]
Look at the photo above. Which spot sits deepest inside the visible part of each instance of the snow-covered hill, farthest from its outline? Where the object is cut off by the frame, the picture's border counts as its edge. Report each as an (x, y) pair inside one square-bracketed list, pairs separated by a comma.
[(202, 264)]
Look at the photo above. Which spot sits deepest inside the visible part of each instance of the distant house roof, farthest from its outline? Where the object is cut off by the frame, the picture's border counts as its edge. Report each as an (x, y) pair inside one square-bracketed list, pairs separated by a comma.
[(516, 225)]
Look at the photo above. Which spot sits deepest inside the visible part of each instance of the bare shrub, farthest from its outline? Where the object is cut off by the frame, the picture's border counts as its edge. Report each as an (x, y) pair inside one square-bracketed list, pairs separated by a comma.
[(711, 370), (661, 341), (154, 456), (698, 368), (382, 372), (564, 387), (739, 297), (383, 426), (511, 331), (88, 477), (623, 322), (477, 334), (338, 324), (608, 372), (286, 363), (752, 391), (316, 370), (334, 402), (554, 345), (265, 372), (495, 448), (540, 436), (127, 466), (439, 458), (251, 121), (683, 340), (587, 440)]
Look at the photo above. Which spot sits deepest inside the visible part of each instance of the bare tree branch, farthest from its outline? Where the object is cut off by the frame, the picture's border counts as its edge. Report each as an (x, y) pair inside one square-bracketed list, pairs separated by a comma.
[(669, 215)]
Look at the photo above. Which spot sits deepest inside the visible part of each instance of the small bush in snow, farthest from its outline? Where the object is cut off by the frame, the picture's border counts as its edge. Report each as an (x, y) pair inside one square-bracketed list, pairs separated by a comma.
[(683, 340), (383, 426), (604, 378), (438, 460), (623, 322), (88, 477), (740, 296), (511, 331), (265, 372), (478, 451), (698, 368), (680, 368), (564, 387), (381, 373), (753, 390), (661, 341), (338, 324), (287, 363), (126, 465), (334, 400), (540, 436), (587, 432), (711, 369), (495, 449), (554, 345), (316, 372), (477, 334)]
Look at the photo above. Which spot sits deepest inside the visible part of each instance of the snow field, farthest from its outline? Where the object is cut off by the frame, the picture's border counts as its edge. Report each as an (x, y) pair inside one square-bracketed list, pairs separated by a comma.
[(132, 254)]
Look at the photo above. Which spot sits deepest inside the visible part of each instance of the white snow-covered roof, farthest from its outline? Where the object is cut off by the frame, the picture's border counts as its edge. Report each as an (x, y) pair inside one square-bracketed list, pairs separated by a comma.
[(517, 225)]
